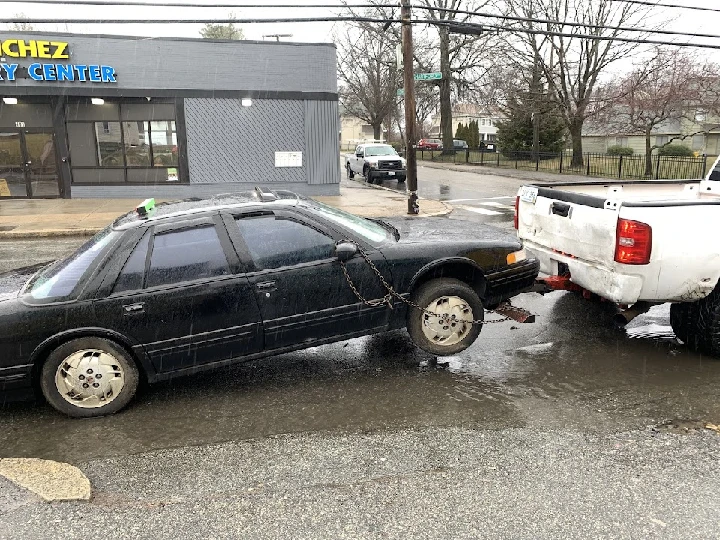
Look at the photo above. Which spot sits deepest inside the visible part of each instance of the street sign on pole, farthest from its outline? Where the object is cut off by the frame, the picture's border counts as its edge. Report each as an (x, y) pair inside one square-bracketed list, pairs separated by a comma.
[(400, 92), (428, 76)]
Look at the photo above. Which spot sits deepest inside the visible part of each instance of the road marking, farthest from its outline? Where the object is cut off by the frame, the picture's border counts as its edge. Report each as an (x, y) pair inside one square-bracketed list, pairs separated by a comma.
[(483, 211), (502, 197), (461, 200), (497, 205)]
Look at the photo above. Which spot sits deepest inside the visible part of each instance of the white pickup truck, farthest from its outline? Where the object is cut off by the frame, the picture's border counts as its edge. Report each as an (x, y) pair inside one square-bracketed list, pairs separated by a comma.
[(376, 162), (634, 243)]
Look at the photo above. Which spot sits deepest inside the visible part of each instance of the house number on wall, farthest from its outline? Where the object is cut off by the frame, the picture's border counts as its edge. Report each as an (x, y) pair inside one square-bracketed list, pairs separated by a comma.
[(20, 124)]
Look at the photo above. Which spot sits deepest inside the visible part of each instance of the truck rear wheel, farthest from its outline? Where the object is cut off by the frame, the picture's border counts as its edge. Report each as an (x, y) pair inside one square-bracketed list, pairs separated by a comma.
[(707, 324), (680, 320)]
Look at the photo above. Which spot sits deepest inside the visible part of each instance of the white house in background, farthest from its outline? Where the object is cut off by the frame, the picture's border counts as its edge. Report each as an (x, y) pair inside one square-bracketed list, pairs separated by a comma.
[(464, 113), (354, 131)]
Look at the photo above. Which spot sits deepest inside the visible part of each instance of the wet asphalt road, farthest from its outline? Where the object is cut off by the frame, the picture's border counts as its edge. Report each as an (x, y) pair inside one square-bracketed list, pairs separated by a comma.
[(565, 428), (571, 368)]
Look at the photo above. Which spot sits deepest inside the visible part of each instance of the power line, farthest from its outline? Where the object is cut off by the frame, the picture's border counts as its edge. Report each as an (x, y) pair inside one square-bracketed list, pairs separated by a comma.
[(572, 24), (677, 6), (604, 38), (198, 21), (114, 3), (447, 23), (366, 6)]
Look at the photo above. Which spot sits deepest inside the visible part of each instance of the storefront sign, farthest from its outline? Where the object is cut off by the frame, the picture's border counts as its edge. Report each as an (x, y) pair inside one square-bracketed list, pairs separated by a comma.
[(18, 48)]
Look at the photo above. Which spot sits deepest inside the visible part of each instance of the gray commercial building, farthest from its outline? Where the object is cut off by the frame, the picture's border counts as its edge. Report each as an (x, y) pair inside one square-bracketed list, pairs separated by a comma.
[(110, 116)]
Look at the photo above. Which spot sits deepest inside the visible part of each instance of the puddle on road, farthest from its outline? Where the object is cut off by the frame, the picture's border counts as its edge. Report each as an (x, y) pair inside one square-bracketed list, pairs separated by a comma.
[(571, 369)]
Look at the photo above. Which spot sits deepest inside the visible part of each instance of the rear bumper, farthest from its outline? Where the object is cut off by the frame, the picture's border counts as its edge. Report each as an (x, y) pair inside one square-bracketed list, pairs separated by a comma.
[(511, 281), (605, 282)]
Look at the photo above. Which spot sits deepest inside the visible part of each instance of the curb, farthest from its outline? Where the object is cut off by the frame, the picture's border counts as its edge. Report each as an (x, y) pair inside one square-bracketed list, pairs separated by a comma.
[(48, 233), (51, 480)]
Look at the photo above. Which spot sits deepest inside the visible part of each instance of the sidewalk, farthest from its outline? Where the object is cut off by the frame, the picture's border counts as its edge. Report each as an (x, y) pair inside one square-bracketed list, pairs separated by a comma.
[(83, 217), (531, 176)]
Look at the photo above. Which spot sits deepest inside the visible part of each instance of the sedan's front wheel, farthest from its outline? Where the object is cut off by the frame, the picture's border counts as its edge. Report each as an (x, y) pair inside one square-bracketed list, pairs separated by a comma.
[(445, 324), (89, 377)]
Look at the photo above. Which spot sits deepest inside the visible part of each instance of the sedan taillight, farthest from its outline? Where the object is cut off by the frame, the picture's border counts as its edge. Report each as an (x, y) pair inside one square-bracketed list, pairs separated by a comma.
[(517, 211), (633, 242)]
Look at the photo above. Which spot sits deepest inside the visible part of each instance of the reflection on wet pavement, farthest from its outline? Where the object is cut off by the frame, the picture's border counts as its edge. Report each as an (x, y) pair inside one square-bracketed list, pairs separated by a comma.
[(572, 369)]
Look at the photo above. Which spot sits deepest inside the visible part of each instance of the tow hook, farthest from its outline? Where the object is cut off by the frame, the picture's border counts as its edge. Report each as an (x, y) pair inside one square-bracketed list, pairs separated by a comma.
[(517, 314)]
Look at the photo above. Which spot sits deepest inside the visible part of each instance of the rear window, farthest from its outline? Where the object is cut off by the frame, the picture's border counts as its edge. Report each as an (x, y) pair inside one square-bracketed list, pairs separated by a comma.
[(60, 280)]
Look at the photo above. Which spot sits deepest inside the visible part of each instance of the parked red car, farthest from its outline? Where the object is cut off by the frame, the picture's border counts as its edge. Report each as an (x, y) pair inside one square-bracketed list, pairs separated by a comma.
[(429, 144)]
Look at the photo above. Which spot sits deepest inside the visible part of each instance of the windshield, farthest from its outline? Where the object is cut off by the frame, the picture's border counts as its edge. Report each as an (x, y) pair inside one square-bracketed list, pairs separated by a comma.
[(367, 229), (59, 280), (380, 151)]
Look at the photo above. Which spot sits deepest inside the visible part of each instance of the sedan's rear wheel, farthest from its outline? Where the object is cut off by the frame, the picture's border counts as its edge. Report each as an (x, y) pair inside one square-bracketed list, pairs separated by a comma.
[(445, 326), (89, 377)]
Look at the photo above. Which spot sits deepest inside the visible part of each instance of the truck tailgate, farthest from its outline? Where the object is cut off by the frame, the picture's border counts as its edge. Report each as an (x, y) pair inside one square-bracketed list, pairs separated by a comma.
[(582, 228)]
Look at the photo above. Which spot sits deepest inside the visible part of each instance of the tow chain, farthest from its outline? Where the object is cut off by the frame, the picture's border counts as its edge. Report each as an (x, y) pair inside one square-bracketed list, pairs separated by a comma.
[(391, 293)]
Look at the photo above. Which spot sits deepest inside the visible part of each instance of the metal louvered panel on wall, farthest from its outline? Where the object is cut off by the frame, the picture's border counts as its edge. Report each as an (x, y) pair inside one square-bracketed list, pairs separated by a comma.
[(322, 125), (227, 142)]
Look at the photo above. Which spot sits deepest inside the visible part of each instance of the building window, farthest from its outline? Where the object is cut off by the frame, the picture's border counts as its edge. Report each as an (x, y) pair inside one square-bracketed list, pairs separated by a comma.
[(127, 142), (490, 137), (700, 115), (661, 140), (621, 141)]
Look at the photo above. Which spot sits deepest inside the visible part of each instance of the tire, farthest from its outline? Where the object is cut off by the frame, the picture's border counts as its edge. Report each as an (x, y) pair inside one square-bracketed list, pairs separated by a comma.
[(350, 173), (680, 320), (439, 295), (706, 325), (89, 358), (368, 175), (401, 180)]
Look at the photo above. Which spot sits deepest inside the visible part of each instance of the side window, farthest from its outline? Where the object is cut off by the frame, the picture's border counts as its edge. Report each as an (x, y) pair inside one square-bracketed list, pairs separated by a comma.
[(275, 242), (131, 277), (186, 255)]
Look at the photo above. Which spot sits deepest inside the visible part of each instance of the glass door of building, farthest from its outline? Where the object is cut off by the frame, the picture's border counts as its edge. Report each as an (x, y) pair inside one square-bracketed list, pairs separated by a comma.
[(28, 167)]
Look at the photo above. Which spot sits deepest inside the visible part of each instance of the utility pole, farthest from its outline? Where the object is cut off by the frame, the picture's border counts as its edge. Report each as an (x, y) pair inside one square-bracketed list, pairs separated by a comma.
[(410, 131)]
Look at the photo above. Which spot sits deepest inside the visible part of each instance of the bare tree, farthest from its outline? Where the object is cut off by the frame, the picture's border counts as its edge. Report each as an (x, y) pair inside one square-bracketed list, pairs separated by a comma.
[(368, 74), (222, 31), (463, 59), (669, 88), (573, 61)]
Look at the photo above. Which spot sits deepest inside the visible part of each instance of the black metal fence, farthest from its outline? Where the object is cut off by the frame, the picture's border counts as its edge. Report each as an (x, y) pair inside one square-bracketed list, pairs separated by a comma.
[(601, 165)]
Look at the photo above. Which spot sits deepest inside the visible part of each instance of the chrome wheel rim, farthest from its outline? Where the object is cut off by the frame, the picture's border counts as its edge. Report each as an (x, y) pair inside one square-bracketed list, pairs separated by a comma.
[(90, 378), (447, 320)]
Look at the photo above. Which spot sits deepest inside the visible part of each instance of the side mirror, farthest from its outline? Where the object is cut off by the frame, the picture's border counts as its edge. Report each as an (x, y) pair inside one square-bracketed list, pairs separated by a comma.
[(345, 251)]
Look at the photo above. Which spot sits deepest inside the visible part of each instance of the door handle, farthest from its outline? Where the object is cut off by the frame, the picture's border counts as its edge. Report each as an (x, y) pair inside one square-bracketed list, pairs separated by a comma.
[(266, 286), (134, 309)]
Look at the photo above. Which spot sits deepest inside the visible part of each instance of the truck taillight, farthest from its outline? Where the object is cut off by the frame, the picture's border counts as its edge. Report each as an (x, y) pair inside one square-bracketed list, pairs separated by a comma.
[(517, 211), (633, 242)]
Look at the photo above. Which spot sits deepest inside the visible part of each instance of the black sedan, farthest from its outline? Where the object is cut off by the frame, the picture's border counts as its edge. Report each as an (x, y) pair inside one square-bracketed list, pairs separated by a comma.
[(194, 285)]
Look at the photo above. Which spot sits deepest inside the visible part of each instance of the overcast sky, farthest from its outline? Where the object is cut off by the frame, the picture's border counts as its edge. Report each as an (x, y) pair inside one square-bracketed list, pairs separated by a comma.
[(684, 20)]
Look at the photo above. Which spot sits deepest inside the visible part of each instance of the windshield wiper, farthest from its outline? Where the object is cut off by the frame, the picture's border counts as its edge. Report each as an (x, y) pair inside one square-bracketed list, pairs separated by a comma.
[(387, 226)]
